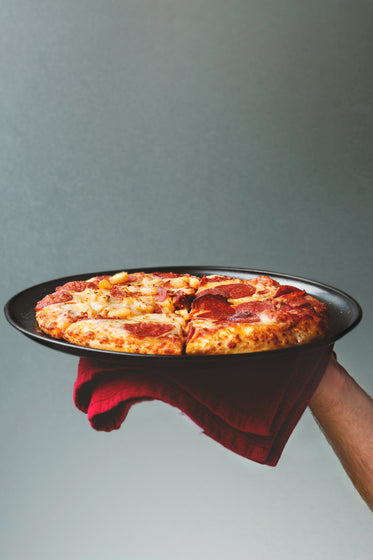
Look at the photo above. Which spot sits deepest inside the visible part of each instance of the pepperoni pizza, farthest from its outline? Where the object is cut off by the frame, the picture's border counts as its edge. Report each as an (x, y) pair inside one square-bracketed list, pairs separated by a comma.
[(171, 314)]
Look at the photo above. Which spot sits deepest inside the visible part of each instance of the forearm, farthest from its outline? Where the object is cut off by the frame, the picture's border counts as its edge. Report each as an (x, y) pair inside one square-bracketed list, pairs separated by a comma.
[(345, 414)]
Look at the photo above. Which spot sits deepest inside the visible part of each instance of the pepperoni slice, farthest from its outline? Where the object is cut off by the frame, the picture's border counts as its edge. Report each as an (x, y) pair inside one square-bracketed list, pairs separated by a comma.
[(161, 294), (255, 307), (215, 278), (230, 291), (237, 291), (142, 330), (303, 310), (213, 306), (299, 302), (57, 297), (133, 277), (287, 290), (117, 292), (217, 291), (191, 331), (168, 274), (76, 286), (243, 318), (284, 307)]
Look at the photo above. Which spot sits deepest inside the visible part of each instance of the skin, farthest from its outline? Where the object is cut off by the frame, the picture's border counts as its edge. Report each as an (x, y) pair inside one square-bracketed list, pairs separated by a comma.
[(344, 413)]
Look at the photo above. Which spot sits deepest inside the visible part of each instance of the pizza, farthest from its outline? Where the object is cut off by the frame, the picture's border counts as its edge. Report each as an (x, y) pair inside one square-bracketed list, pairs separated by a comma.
[(167, 313)]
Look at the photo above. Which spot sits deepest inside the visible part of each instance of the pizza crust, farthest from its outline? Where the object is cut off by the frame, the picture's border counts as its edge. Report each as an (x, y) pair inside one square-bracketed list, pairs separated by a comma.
[(207, 338)]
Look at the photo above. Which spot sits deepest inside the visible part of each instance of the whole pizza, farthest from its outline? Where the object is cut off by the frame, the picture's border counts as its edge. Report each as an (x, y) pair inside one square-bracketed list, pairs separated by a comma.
[(172, 314)]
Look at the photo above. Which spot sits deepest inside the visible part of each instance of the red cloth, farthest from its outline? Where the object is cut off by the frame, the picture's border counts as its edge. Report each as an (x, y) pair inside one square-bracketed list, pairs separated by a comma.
[(250, 408)]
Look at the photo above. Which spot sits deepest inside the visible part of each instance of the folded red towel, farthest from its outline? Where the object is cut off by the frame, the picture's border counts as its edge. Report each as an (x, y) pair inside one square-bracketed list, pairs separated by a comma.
[(250, 407)]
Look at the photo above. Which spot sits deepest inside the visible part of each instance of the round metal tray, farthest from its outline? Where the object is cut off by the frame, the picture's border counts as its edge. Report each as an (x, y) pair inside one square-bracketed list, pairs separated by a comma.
[(344, 314)]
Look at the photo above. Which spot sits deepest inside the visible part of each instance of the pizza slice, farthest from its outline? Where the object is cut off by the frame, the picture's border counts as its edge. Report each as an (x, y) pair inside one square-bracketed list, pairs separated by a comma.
[(90, 299), (116, 297), (153, 333), (170, 292)]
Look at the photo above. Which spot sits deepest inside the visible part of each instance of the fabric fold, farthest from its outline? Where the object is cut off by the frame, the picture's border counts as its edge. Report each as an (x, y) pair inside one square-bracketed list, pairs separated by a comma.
[(251, 408)]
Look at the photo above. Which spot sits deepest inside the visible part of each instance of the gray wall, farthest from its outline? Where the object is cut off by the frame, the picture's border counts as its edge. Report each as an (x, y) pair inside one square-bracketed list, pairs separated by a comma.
[(155, 132)]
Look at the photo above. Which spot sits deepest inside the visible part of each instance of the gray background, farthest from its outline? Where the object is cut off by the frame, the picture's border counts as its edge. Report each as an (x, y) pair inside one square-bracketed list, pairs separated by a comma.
[(155, 132)]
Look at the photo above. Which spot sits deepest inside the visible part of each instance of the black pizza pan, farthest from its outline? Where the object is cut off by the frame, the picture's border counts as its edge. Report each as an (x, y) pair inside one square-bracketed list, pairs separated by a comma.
[(343, 310)]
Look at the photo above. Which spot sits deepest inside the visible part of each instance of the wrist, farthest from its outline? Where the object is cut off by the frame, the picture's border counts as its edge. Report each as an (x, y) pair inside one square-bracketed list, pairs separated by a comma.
[(331, 388)]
